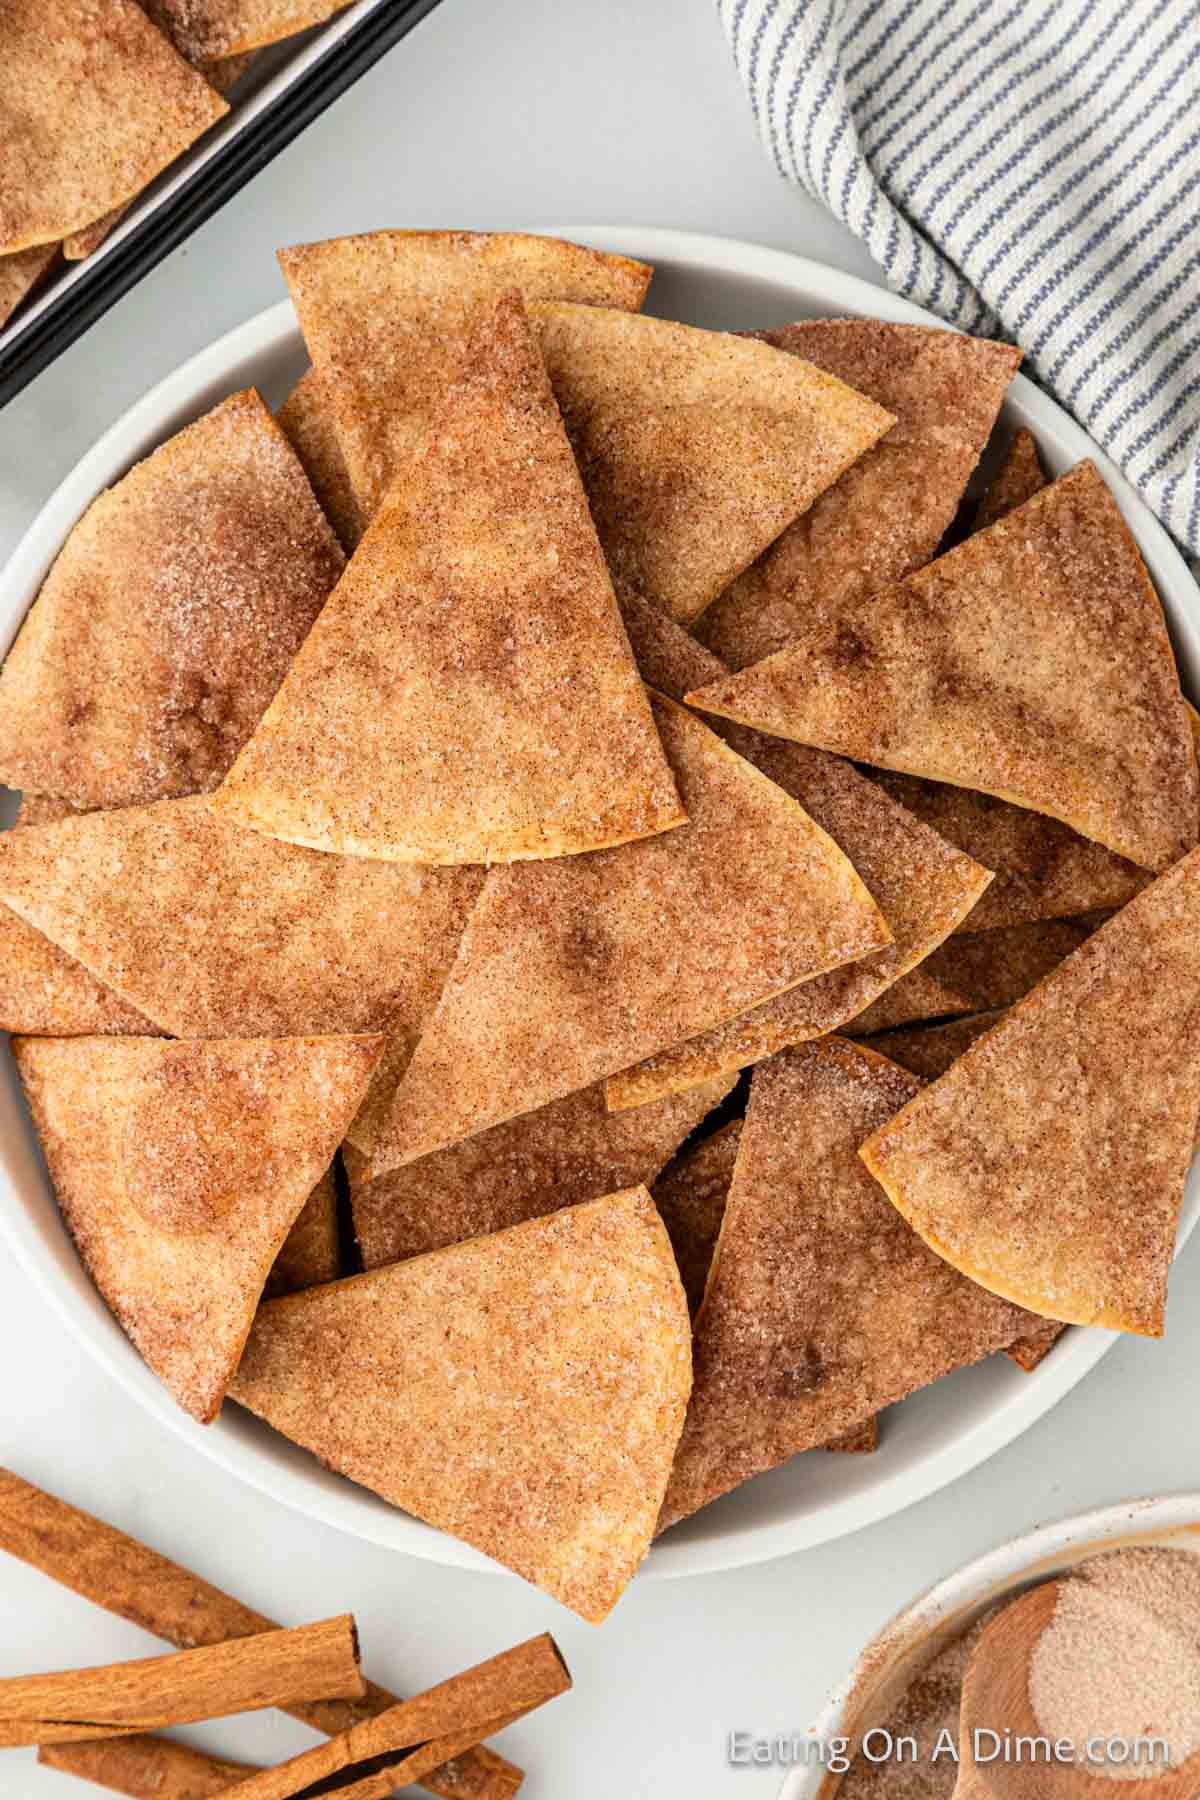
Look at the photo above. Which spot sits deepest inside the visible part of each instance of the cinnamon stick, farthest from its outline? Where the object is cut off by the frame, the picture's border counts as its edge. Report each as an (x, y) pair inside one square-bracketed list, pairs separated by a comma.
[(146, 1768), (124, 1576), (404, 1743), (243, 1675)]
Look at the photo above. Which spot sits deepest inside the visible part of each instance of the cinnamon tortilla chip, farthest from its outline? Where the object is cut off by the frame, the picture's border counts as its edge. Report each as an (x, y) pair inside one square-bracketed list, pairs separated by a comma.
[(888, 514), (47, 809), (697, 448), (1032, 662), (551, 1456), (306, 421), (309, 1253), (573, 968), (1044, 870), (977, 972), (861, 1440), (572, 1150), (1020, 477), (169, 618), (929, 1050), (1049, 1162), (214, 29), (216, 932), (690, 1196), (386, 317), (922, 885), (94, 102), (179, 1169), (1030, 1351), (468, 694), (46, 993), (822, 1306), (20, 273)]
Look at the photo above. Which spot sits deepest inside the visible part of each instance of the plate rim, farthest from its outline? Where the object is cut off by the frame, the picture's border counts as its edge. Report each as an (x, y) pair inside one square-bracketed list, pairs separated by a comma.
[(208, 375)]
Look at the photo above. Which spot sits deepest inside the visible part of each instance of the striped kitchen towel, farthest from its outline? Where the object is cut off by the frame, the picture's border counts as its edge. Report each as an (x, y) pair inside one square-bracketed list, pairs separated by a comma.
[(1024, 168)]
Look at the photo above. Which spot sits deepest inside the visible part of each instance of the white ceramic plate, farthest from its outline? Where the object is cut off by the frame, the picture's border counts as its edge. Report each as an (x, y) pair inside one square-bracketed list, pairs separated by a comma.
[(930, 1440), (910, 1641)]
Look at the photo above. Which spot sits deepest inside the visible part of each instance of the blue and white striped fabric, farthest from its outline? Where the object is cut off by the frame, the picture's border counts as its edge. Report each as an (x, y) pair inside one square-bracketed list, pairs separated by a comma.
[(1024, 168)]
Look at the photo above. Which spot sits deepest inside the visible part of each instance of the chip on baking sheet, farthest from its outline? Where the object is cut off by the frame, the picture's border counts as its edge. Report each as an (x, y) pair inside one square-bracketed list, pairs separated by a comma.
[(94, 102), (889, 512), (20, 273), (822, 1305), (386, 317), (573, 968), (1049, 1162), (217, 932), (572, 1150), (306, 420), (309, 1255), (976, 972), (523, 1391), (214, 29), (468, 694), (697, 448), (179, 1170), (169, 618), (922, 885), (1032, 663), (1018, 479)]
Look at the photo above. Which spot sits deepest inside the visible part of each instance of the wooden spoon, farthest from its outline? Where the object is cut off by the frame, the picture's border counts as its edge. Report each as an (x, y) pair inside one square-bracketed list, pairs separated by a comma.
[(995, 1698)]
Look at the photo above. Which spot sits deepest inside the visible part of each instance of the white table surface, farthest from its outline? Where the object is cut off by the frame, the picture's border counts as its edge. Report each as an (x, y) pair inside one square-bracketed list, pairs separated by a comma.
[(488, 115)]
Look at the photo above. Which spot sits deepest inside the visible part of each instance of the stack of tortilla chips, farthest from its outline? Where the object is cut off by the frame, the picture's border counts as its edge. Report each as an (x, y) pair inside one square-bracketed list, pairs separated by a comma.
[(559, 952)]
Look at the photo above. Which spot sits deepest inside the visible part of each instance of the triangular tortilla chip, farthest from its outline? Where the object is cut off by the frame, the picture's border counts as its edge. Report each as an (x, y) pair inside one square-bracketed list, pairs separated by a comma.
[(922, 885), (1049, 1162), (697, 448), (216, 932), (572, 969), (90, 112), (888, 514), (169, 618), (1019, 478), (1044, 870), (309, 1253), (179, 1169), (572, 1150), (386, 318), (46, 993), (977, 972), (690, 1196), (822, 1305), (306, 420), (1032, 662), (214, 29), (468, 694), (550, 1455), (20, 274), (929, 1050)]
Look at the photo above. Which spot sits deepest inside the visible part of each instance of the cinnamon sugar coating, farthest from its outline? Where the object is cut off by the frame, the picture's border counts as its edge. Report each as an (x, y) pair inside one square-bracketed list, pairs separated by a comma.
[(169, 618), (214, 29), (215, 932), (306, 420), (923, 886), (1019, 478), (468, 693), (996, 1164), (308, 1255), (822, 1306), (570, 1151), (573, 968), (888, 514), (1032, 662), (697, 448), (94, 102), (20, 273), (690, 1195), (386, 317), (523, 1391), (179, 1169)]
